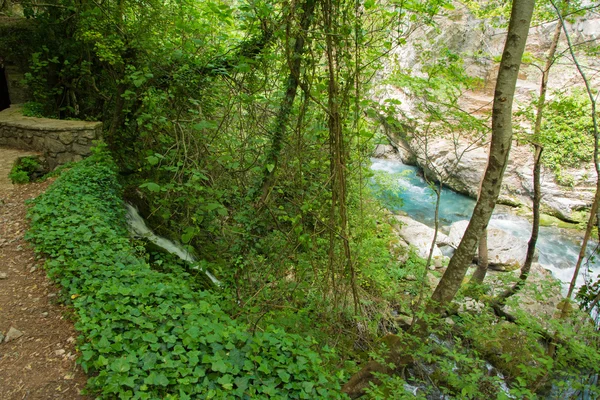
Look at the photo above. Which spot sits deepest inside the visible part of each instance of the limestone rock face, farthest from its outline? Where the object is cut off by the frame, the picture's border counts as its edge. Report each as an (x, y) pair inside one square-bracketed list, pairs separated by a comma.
[(505, 251), (461, 165), (462, 33)]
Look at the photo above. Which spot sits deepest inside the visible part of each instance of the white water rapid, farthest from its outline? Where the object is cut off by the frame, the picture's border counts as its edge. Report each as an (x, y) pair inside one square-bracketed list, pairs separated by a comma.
[(558, 248)]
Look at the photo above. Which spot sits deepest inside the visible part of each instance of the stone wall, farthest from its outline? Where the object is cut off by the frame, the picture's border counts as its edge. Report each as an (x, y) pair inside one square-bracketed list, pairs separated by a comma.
[(60, 141)]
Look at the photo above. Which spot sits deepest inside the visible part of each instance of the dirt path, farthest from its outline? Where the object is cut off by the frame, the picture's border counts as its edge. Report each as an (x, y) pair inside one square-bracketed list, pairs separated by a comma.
[(37, 350)]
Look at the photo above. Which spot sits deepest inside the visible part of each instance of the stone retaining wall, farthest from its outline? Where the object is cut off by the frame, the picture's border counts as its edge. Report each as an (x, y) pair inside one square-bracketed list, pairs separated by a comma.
[(59, 141)]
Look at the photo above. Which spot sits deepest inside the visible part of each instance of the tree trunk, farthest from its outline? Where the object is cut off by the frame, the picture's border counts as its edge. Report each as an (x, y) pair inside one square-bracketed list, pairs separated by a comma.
[(537, 194), (338, 154), (482, 265), (500, 146)]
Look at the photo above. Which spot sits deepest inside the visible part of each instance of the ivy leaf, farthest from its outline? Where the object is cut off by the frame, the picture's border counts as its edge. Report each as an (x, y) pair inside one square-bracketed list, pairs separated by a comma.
[(285, 377), (219, 366), (159, 379), (120, 365)]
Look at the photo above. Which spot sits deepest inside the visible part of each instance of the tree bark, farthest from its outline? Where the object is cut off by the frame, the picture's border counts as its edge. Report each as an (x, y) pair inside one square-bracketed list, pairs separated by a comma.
[(518, 29), (482, 265)]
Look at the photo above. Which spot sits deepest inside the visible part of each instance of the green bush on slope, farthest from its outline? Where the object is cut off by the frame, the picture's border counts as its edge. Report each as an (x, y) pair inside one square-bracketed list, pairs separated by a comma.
[(146, 334)]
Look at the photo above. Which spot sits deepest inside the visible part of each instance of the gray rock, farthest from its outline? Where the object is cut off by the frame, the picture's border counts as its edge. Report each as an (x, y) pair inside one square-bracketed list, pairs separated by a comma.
[(53, 145), (383, 151), (505, 251), (420, 236), (12, 334), (66, 137), (81, 149)]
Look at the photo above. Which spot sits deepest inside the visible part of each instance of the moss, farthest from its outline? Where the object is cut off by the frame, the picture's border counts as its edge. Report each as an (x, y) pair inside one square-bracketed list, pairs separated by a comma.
[(549, 220)]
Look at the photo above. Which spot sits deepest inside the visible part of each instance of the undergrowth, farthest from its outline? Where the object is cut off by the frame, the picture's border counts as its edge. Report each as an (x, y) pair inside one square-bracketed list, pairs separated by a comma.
[(24, 170), (147, 334)]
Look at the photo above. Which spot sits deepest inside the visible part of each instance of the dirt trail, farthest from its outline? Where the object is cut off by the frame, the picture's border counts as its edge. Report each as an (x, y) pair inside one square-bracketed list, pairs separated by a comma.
[(38, 360)]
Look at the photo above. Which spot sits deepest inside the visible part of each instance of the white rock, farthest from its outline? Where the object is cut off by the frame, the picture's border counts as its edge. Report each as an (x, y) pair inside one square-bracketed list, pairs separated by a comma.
[(420, 236), (505, 251)]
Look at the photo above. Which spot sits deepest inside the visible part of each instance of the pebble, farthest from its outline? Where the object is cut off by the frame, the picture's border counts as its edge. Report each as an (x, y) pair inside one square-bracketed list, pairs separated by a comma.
[(32, 270), (3, 275), (45, 314), (12, 334), (59, 352)]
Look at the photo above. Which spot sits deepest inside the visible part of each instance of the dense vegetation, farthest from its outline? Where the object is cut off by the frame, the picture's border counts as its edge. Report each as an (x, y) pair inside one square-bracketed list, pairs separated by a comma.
[(243, 130), (153, 334)]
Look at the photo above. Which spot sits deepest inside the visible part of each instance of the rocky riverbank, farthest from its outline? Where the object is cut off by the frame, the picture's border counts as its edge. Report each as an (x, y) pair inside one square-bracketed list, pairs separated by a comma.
[(461, 162)]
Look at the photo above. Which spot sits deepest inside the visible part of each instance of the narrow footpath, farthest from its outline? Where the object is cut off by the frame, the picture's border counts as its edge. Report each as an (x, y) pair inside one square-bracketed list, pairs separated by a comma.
[(37, 338)]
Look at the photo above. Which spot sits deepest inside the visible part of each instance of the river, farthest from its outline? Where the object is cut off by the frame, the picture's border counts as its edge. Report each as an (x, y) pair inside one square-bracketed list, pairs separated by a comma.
[(558, 248)]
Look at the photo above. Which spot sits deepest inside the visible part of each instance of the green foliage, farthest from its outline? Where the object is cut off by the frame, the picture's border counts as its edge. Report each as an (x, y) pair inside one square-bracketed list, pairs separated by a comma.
[(18, 40), (24, 169), (567, 133), (33, 109), (147, 334)]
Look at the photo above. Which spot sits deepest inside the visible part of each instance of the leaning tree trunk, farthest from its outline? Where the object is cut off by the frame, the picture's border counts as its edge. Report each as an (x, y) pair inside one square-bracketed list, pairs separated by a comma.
[(537, 194), (490, 189), (518, 29)]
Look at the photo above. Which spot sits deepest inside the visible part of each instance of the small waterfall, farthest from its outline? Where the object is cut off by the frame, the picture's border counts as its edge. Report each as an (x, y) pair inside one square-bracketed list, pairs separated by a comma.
[(138, 228)]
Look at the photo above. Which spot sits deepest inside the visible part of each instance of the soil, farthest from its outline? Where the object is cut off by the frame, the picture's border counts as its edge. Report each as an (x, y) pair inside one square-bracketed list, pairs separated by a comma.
[(40, 364)]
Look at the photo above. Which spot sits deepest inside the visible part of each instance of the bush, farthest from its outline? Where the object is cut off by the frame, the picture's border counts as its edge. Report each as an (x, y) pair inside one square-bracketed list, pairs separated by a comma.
[(146, 334), (25, 170)]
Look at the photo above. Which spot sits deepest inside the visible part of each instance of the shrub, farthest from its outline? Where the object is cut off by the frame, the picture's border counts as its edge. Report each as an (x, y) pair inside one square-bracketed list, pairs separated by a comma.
[(24, 169), (146, 334)]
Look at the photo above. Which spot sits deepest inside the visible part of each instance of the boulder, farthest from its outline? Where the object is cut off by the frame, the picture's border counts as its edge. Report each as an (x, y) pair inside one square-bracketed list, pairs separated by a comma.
[(420, 236), (505, 251), (384, 151)]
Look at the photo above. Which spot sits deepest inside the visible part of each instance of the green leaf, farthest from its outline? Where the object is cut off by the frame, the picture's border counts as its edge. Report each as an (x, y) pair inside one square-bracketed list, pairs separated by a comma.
[(120, 365), (152, 160), (219, 366), (151, 186), (158, 379), (285, 377)]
